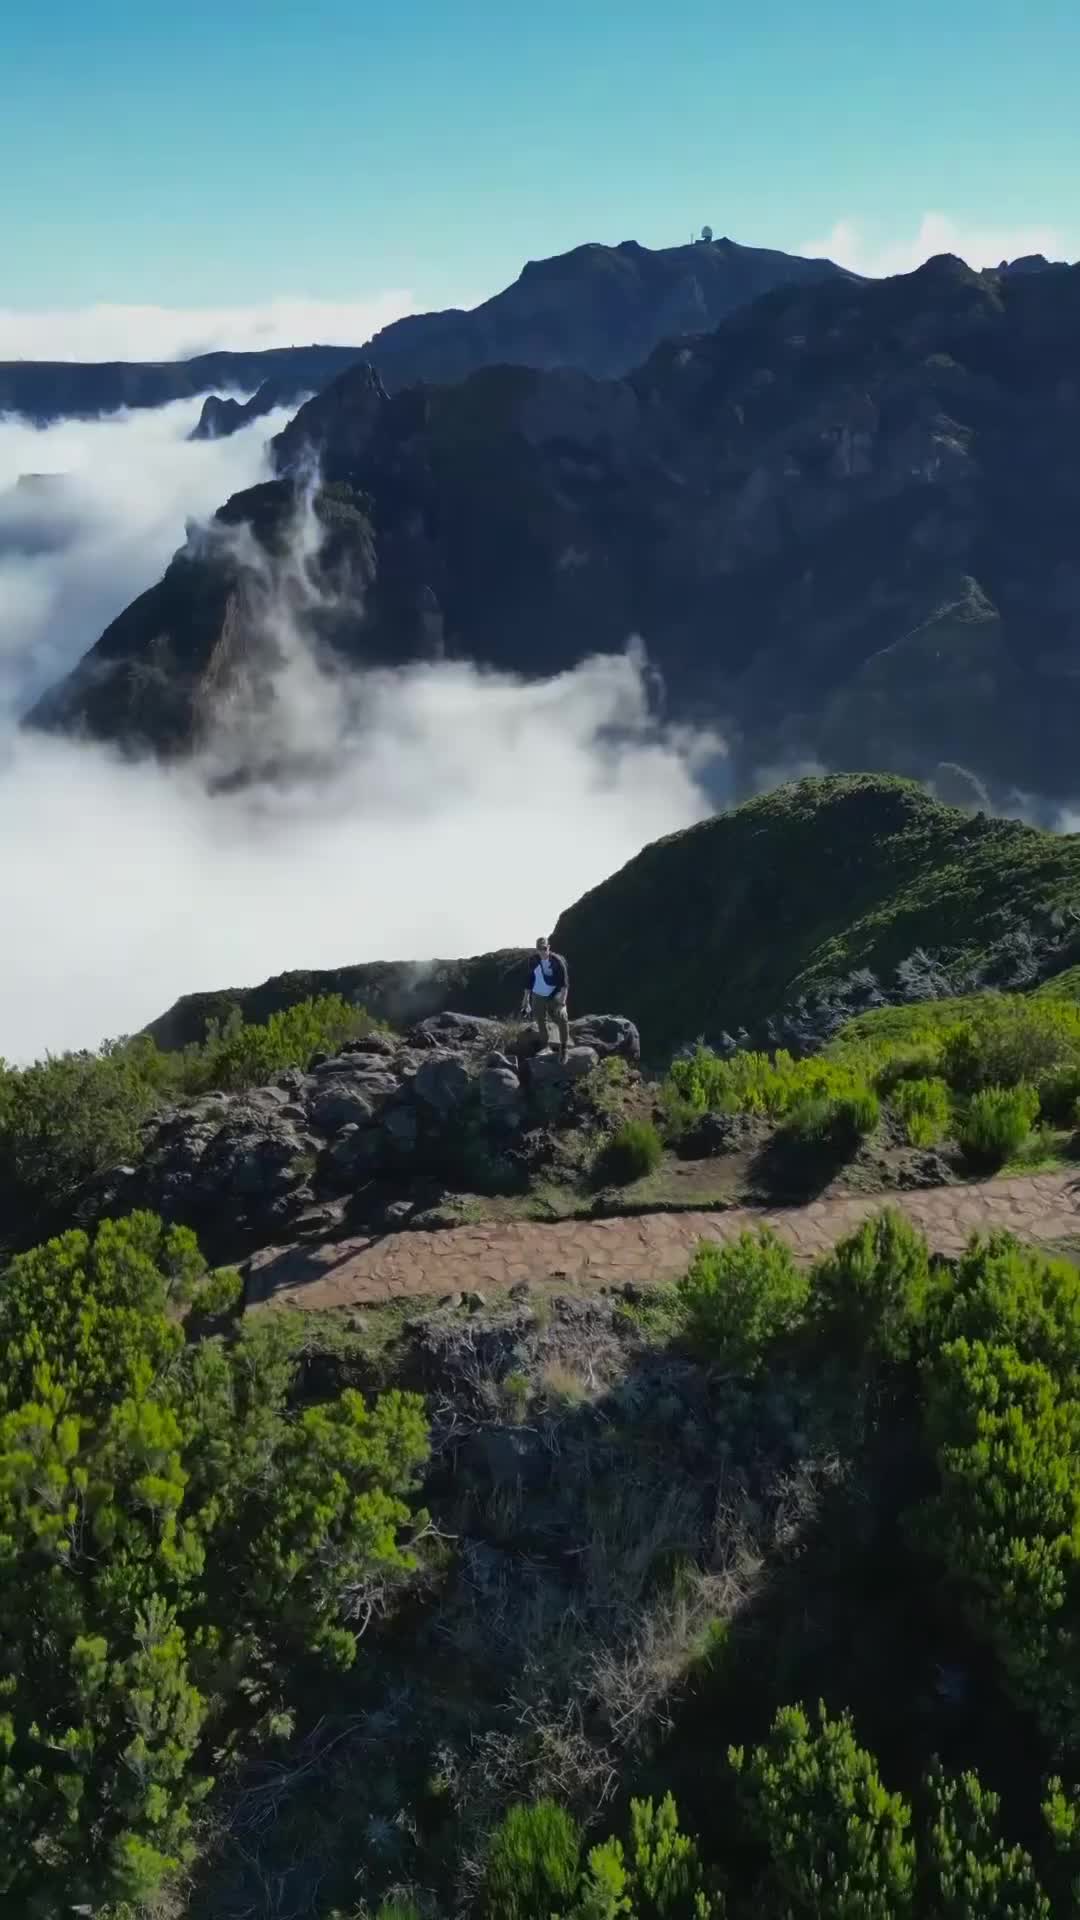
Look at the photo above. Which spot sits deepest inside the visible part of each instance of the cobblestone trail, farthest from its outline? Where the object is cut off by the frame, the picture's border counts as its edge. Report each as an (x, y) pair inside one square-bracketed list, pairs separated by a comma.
[(572, 1254)]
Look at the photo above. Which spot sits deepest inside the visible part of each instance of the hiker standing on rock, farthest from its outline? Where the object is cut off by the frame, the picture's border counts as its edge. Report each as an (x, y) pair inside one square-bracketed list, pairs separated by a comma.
[(545, 994)]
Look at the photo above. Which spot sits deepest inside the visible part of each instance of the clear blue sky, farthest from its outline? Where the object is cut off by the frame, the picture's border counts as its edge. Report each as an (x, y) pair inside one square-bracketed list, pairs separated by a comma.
[(203, 153)]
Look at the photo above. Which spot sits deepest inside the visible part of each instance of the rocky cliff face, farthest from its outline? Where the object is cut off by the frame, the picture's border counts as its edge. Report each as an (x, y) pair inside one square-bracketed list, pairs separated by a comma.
[(844, 522)]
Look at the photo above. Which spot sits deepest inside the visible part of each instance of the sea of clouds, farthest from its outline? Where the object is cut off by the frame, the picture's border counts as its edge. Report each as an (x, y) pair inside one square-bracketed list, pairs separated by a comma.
[(452, 811)]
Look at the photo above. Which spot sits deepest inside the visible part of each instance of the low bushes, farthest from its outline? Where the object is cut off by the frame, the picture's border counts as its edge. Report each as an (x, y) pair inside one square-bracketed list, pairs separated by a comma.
[(737, 1299), (833, 1122), (997, 1122), (925, 1110), (632, 1151)]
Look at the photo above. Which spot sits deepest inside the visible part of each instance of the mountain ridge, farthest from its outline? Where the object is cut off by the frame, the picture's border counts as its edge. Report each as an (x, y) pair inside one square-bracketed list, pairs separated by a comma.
[(603, 328), (842, 524)]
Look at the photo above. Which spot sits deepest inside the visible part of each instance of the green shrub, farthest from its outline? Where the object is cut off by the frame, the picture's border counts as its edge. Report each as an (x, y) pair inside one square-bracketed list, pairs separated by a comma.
[(61, 1121), (659, 1876), (997, 1122), (533, 1863), (925, 1110), (873, 1284), (1008, 1039), (1001, 1345), (1006, 1521), (738, 1298), (633, 1150), (1004, 1294), (1059, 1096), (173, 1539), (758, 1082), (238, 1056), (969, 1870), (918, 1063), (833, 1122), (837, 1842)]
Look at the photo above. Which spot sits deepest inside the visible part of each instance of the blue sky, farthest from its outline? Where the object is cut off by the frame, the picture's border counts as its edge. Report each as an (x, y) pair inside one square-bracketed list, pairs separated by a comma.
[(214, 156)]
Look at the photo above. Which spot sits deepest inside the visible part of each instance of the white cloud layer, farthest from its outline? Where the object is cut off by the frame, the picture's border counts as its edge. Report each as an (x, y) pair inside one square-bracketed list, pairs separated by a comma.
[(77, 546), (177, 333), (455, 811), (877, 254)]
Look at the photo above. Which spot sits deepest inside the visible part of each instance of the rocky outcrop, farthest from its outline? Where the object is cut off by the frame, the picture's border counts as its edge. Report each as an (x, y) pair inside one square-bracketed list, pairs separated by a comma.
[(842, 524), (221, 417), (369, 1132)]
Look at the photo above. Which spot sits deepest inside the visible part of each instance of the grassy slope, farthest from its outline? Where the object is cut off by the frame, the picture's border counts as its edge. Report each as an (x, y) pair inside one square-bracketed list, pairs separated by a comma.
[(723, 924)]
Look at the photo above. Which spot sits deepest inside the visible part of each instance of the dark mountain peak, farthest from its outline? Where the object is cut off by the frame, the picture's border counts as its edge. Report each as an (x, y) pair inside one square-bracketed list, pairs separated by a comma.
[(1030, 263), (221, 417), (344, 416)]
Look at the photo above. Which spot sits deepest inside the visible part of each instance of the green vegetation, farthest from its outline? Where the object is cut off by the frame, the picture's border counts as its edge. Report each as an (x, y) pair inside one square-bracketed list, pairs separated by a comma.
[(796, 890), (174, 1547), (924, 1109), (533, 1862), (997, 1123), (632, 1151), (71, 1116), (982, 1071), (737, 1299), (769, 1084)]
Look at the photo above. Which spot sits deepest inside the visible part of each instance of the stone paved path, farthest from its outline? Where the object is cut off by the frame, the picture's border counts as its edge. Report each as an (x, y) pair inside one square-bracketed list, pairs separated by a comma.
[(655, 1246)]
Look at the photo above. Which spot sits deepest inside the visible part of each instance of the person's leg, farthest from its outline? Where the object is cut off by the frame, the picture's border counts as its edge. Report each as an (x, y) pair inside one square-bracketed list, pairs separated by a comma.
[(540, 1014), (562, 1018)]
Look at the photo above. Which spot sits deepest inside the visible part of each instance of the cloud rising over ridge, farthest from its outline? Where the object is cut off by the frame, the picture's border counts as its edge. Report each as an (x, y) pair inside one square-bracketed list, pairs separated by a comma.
[(451, 810)]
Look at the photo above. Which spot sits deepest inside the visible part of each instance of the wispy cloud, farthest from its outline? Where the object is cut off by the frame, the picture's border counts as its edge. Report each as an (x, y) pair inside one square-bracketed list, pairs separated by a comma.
[(176, 333), (870, 251)]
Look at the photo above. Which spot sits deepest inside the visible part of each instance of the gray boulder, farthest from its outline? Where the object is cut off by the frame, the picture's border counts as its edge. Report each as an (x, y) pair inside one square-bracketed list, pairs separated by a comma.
[(500, 1093), (548, 1070), (609, 1034), (442, 1082), (458, 1030), (340, 1105), (355, 1151), (400, 1127)]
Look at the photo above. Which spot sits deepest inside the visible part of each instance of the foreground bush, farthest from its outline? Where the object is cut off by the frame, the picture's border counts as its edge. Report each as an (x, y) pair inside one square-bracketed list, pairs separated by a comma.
[(925, 1109), (997, 1123), (837, 1842), (533, 1863), (167, 1532), (737, 1299), (633, 1150), (872, 1285), (1001, 1342)]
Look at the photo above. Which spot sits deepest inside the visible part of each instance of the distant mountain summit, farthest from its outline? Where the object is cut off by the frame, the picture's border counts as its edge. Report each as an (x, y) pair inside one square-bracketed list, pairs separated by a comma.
[(599, 308)]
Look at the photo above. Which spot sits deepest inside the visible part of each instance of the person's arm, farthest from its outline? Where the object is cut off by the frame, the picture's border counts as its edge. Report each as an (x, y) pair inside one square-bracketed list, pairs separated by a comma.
[(562, 973)]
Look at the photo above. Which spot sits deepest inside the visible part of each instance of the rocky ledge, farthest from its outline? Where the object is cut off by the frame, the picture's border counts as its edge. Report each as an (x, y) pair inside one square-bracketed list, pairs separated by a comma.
[(378, 1135)]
